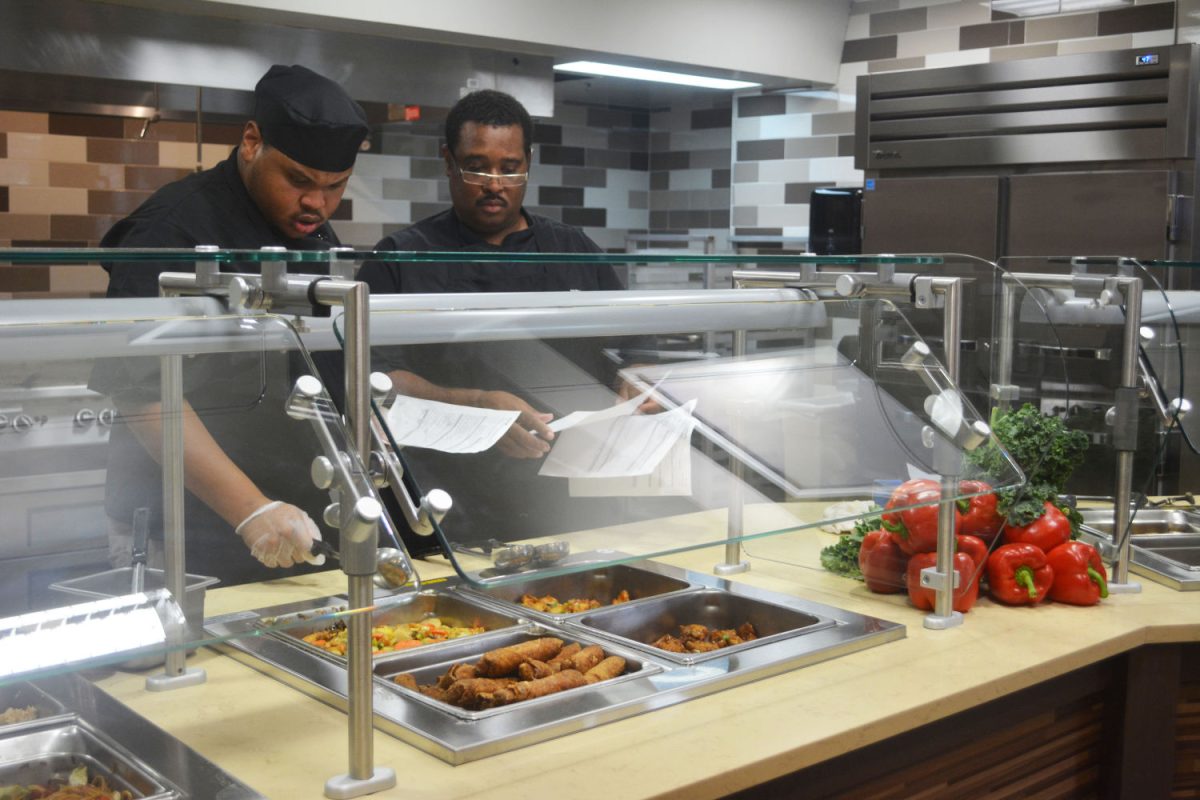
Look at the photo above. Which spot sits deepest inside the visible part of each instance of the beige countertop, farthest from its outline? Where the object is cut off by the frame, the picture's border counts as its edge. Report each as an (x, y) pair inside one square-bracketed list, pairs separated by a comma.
[(286, 744)]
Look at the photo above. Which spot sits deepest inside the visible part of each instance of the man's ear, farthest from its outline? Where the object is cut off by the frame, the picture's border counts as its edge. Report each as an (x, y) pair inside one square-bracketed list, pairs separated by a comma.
[(252, 141), (445, 152)]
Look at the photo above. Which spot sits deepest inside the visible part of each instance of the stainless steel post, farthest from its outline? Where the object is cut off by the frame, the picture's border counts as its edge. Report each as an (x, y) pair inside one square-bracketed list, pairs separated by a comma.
[(175, 673), (734, 527), (1002, 390), (1125, 430), (946, 459), (358, 549)]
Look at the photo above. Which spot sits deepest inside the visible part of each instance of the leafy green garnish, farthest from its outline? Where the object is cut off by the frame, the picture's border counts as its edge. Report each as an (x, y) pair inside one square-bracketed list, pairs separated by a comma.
[(1047, 452), (842, 558)]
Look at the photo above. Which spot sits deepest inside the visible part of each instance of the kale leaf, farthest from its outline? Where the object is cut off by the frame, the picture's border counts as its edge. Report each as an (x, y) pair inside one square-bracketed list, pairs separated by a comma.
[(1047, 452)]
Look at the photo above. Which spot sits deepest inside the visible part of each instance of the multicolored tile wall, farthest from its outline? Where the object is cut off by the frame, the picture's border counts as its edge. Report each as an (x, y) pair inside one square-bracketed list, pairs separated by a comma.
[(618, 173), (786, 145), (65, 179)]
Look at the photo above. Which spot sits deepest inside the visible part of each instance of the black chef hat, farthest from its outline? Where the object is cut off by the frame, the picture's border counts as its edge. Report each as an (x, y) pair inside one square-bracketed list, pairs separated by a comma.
[(309, 118)]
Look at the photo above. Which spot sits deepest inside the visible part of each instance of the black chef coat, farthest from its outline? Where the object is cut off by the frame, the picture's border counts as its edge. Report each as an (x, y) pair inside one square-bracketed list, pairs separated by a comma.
[(239, 396), (496, 496)]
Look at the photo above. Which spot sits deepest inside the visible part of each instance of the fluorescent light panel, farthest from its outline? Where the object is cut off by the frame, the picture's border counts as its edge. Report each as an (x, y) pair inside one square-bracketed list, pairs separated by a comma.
[(639, 74)]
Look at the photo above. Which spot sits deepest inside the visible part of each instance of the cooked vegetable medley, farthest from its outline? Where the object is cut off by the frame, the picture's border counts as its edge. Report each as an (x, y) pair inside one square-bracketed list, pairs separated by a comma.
[(386, 638)]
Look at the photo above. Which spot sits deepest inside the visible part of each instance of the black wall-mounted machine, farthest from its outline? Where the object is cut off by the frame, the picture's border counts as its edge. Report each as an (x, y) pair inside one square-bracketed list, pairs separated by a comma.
[(835, 220)]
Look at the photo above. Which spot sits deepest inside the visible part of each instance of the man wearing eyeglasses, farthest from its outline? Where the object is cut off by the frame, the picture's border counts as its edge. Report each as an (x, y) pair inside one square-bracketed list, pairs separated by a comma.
[(487, 153)]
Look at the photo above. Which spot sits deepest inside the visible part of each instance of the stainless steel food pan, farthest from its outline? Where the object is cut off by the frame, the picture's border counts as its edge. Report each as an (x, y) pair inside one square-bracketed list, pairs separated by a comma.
[(25, 695), (39, 754), (640, 625), (427, 667), (451, 607), (602, 584), (1164, 543)]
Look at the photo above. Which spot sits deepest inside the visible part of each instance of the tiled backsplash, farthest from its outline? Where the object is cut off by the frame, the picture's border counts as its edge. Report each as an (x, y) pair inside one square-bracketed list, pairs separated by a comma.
[(712, 166)]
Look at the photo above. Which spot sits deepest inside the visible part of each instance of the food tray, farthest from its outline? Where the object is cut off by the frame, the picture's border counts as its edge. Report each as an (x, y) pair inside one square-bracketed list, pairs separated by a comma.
[(602, 584), (38, 753), (643, 623), (426, 667), (24, 695), (450, 607)]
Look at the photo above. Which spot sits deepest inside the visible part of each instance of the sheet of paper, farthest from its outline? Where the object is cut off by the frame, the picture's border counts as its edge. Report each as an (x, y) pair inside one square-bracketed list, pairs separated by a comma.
[(446, 427), (672, 476), (608, 446)]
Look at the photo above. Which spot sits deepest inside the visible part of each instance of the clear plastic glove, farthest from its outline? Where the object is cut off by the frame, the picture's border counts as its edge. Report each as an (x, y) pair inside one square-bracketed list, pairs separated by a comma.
[(280, 535)]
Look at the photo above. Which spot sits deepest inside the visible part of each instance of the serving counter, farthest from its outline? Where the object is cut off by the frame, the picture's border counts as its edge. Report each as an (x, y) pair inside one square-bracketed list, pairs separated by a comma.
[(722, 431), (282, 743)]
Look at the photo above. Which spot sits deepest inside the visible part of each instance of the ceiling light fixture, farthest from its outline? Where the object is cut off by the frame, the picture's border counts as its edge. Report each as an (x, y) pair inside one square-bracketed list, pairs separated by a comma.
[(639, 74)]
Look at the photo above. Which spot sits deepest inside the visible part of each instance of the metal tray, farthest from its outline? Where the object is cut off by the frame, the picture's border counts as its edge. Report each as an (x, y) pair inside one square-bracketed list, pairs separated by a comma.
[(453, 608), (644, 623), (426, 668), (24, 695), (602, 584), (442, 732), (38, 754), (1164, 543)]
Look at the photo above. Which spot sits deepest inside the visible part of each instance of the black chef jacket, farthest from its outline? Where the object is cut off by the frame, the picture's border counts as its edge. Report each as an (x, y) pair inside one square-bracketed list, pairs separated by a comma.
[(496, 496), (239, 396)]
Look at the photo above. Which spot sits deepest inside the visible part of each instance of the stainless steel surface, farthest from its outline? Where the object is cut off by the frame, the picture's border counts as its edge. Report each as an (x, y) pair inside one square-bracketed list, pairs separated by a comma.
[(116, 582), (173, 489), (660, 681), (602, 585), (1017, 112), (1126, 445), (641, 624), (955, 214), (565, 314), (26, 695), (427, 667), (87, 724), (43, 751), (1164, 543), (180, 51), (452, 608)]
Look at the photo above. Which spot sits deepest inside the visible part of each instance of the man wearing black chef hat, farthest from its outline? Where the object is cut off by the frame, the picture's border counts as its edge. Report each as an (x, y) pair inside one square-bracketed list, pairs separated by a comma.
[(245, 463)]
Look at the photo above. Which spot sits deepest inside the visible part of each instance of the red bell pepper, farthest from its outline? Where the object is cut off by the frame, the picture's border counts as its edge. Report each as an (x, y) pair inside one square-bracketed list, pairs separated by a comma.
[(968, 582), (979, 515), (915, 529), (1079, 576), (973, 546), (899, 497), (1047, 532), (1019, 575), (882, 563)]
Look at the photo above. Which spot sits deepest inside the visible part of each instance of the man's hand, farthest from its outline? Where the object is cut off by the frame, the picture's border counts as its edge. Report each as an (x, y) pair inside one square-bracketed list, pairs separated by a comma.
[(280, 534), (627, 390), (528, 437)]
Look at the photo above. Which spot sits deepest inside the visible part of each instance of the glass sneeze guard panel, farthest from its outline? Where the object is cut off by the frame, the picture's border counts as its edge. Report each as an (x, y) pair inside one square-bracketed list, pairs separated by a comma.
[(83, 377), (82, 479), (769, 403)]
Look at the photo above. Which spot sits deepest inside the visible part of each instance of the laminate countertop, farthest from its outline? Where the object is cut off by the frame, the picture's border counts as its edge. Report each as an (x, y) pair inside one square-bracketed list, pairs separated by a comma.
[(286, 744)]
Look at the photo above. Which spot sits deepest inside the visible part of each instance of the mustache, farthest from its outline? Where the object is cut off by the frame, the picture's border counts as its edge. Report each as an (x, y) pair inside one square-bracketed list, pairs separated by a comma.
[(491, 198)]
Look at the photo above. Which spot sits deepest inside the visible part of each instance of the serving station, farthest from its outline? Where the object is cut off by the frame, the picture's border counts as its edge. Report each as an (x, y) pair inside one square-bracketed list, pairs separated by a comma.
[(704, 448)]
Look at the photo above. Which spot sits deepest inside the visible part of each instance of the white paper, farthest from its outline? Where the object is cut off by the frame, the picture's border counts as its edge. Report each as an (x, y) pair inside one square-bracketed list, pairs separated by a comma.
[(446, 427), (608, 445), (672, 476)]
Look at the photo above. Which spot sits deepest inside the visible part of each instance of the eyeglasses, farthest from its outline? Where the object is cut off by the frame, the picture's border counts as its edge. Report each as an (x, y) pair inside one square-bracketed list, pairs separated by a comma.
[(485, 178)]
